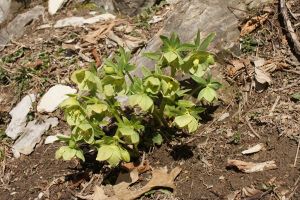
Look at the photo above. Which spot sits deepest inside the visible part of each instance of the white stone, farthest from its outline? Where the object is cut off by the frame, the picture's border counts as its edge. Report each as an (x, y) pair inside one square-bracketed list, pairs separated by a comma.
[(80, 21), (19, 116), (32, 135), (55, 5), (51, 139), (55, 95)]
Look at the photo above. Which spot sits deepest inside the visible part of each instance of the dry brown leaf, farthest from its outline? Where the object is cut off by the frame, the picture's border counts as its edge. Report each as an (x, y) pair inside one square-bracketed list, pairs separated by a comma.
[(142, 167), (250, 167), (250, 192), (262, 77), (233, 195), (99, 193), (235, 65), (94, 36), (133, 43), (253, 23), (97, 57), (160, 178)]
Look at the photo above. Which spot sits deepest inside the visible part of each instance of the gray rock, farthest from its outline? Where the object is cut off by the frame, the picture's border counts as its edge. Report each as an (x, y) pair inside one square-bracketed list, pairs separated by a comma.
[(19, 116), (127, 7), (32, 135), (4, 9), (208, 16), (15, 29)]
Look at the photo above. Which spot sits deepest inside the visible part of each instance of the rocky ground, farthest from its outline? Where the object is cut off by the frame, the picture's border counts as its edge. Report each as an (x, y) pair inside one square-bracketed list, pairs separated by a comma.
[(259, 103)]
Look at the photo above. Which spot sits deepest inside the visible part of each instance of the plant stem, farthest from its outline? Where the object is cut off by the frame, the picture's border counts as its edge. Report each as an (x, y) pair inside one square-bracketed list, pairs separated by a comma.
[(160, 119), (162, 107), (173, 71), (129, 76), (195, 90)]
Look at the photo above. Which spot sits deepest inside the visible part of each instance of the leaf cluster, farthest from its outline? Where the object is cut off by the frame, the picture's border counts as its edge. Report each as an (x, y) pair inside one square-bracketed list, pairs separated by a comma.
[(113, 110)]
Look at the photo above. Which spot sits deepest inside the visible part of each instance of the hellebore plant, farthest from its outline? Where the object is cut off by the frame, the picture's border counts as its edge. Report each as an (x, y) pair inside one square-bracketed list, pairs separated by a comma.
[(111, 109)]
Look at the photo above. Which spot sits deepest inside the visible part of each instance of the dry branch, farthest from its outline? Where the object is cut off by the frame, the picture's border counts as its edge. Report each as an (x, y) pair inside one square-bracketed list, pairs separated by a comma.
[(288, 24)]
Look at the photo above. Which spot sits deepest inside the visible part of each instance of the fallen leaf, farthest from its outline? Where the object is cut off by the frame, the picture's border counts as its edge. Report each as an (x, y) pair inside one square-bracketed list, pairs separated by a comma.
[(99, 193), (233, 195), (262, 77), (254, 149), (142, 167), (253, 24), (94, 36), (250, 167), (234, 67), (160, 178), (250, 192), (132, 43)]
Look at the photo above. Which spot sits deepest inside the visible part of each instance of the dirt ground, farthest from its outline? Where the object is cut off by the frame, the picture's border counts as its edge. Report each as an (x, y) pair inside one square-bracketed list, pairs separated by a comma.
[(270, 117)]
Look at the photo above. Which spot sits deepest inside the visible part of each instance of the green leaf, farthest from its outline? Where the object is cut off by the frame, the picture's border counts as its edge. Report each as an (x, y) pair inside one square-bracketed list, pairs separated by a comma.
[(59, 153), (152, 85), (69, 154), (79, 154), (185, 103), (170, 56), (146, 72), (296, 96), (157, 139), (214, 85), (193, 126), (126, 131), (115, 157), (135, 138), (209, 94), (104, 153), (124, 154), (134, 100), (199, 80), (183, 120), (69, 102), (146, 103), (206, 42), (152, 55), (197, 39), (97, 108), (142, 100), (109, 90), (78, 76)]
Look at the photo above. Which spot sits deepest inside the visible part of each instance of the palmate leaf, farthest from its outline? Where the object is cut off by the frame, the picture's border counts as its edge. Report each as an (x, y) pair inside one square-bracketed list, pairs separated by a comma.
[(170, 56), (207, 93), (67, 153), (142, 100), (183, 120), (157, 139), (113, 154), (104, 153), (186, 121)]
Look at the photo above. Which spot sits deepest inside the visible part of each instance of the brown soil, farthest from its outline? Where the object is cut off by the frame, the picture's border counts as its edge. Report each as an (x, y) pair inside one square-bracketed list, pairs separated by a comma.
[(202, 157)]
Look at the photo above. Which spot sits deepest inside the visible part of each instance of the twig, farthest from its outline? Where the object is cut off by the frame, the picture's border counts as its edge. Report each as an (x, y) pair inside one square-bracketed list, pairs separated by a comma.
[(274, 106), (295, 188), (252, 129), (291, 71), (297, 153), (293, 36)]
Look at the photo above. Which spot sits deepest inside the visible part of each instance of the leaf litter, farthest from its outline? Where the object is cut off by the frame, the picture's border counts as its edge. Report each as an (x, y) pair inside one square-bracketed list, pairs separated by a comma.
[(160, 179)]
